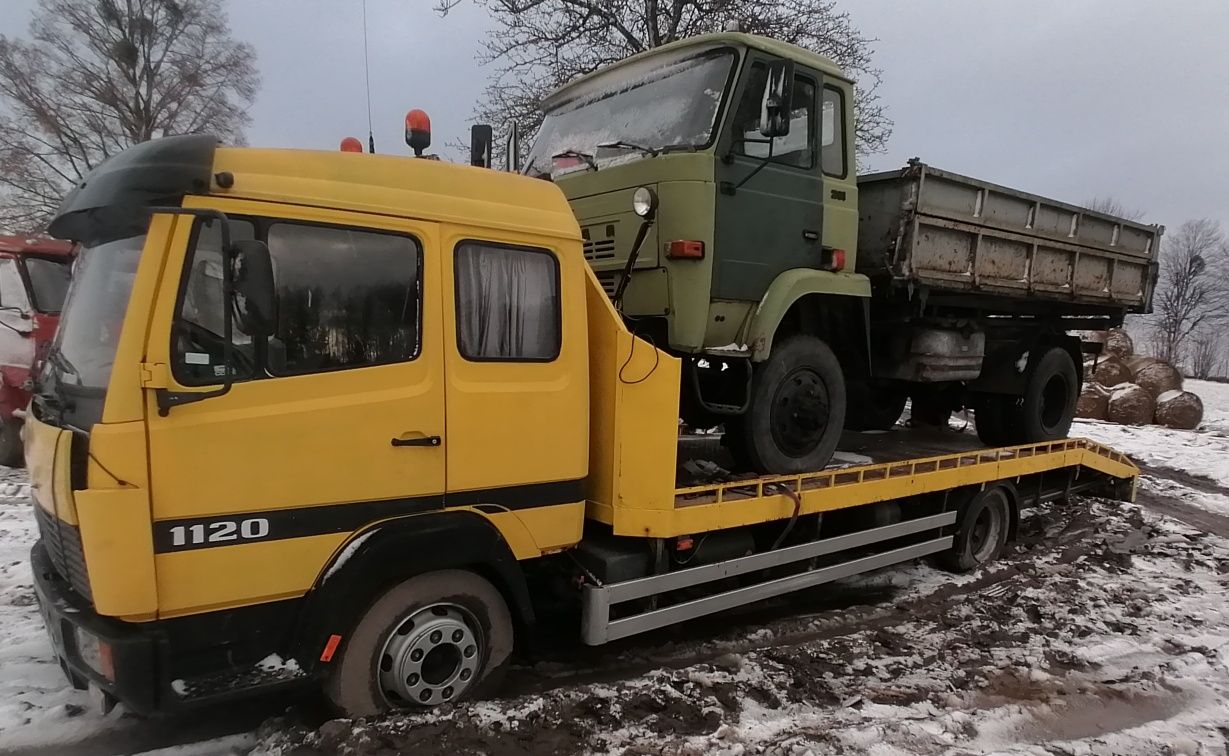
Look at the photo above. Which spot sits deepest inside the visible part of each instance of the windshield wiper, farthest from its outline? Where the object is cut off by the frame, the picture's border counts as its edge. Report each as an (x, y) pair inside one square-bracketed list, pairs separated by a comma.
[(585, 157), (625, 145), (57, 358)]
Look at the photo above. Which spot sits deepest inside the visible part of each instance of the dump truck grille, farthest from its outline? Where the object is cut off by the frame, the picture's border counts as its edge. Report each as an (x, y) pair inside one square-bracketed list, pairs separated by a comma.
[(63, 542), (609, 281), (599, 242)]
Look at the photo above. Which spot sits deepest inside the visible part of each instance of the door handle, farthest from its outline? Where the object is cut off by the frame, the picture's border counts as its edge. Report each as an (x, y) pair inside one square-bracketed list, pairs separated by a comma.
[(421, 441)]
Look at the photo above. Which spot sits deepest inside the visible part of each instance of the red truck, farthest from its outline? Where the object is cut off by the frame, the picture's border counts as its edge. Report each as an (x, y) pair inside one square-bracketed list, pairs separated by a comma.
[(34, 276)]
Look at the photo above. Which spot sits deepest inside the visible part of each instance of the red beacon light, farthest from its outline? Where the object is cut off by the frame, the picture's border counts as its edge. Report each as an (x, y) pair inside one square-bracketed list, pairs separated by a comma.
[(417, 131), (351, 144)]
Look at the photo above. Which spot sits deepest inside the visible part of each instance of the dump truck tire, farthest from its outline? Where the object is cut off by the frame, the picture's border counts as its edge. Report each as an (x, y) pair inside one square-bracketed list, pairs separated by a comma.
[(995, 416), (436, 638), (873, 408), (1049, 399), (797, 408), (981, 532)]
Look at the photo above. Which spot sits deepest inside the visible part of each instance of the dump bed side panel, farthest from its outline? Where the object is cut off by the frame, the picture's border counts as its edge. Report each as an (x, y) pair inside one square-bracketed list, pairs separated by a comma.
[(950, 232)]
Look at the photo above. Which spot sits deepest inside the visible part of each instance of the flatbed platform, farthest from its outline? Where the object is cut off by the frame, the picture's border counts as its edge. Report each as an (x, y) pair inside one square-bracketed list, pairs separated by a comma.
[(868, 468)]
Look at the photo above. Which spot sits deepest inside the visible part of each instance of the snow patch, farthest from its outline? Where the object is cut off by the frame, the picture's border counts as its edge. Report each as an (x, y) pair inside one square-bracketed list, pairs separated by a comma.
[(345, 555)]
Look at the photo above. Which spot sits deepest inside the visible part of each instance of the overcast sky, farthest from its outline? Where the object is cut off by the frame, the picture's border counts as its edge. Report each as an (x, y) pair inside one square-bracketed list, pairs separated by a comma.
[(1070, 99)]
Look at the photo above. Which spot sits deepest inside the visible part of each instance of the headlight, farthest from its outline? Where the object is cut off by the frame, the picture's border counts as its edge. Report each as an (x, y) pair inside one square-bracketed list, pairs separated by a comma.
[(96, 654), (644, 202)]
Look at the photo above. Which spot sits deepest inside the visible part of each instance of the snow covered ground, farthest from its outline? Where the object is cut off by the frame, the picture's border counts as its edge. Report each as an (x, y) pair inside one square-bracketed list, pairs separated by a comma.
[(1104, 631)]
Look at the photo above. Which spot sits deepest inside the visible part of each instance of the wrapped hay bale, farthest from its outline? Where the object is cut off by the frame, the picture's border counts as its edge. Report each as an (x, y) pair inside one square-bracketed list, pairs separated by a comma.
[(1158, 378), (1111, 371), (1118, 343), (1130, 404), (1138, 362), (1179, 409), (1094, 402)]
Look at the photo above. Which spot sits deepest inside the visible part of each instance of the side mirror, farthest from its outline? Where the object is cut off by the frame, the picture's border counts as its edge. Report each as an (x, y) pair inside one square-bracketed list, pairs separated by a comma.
[(480, 138), (778, 98), (252, 293), (512, 150)]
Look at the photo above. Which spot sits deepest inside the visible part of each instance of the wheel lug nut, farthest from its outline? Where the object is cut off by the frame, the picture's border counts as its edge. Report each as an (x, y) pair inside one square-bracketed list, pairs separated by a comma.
[(425, 695), (457, 635), (447, 692), (416, 655), (466, 674), (469, 651), (436, 636), (412, 679)]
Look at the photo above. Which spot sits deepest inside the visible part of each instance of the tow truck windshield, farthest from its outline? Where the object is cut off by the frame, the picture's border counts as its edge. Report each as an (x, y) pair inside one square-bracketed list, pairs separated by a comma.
[(652, 105), (74, 378)]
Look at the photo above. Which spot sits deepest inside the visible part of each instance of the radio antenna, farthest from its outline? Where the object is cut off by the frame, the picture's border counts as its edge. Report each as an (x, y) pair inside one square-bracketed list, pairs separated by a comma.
[(371, 136)]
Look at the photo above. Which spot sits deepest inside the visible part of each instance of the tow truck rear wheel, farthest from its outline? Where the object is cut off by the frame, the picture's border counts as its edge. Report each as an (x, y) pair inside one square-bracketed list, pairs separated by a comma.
[(797, 409), (436, 638), (1049, 398), (981, 531)]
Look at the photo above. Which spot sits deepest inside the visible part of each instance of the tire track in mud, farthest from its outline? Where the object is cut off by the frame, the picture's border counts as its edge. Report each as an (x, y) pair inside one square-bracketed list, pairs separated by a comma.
[(1200, 519)]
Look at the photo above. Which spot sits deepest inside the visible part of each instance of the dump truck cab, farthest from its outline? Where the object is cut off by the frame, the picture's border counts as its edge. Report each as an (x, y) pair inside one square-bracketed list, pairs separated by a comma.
[(743, 223), (197, 465)]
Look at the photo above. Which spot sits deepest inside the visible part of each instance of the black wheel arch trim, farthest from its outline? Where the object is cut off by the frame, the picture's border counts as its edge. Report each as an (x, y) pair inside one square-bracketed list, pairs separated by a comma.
[(388, 552)]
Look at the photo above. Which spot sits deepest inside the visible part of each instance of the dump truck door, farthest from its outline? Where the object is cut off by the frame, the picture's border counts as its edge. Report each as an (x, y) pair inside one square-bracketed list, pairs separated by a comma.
[(334, 421), (774, 221)]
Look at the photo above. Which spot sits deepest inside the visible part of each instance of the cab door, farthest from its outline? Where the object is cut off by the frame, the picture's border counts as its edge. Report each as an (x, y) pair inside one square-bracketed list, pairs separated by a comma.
[(332, 422), (774, 221)]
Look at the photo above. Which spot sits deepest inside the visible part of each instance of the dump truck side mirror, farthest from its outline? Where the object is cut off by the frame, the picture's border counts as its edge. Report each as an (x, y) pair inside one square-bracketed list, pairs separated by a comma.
[(252, 294), (512, 150), (777, 104)]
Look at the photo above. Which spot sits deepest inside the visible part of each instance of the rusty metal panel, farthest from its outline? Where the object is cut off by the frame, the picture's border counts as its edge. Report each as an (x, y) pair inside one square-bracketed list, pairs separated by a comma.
[(955, 233)]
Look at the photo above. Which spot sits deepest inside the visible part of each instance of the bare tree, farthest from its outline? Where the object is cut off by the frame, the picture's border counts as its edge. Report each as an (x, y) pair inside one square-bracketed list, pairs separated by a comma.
[(97, 76), (1111, 206), (1207, 354), (1191, 295), (538, 45)]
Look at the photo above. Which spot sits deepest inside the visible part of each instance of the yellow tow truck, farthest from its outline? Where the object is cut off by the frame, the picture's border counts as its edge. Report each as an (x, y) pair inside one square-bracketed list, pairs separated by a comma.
[(326, 419)]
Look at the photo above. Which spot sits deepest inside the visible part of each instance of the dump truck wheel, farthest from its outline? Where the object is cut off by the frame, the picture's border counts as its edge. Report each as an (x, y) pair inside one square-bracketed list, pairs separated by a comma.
[(10, 443), (1049, 398), (981, 532), (930, 408), (997, 417), (797, 408), (873, 407), (436, 638)]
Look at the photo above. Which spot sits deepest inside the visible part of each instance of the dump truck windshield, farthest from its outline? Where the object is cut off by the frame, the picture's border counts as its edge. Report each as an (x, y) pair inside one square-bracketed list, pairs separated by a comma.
[(660, 102), (79, 366)]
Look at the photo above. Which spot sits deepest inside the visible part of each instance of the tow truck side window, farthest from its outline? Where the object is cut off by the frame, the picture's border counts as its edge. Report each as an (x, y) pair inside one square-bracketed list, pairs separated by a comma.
[(507, 303), (346, 298)]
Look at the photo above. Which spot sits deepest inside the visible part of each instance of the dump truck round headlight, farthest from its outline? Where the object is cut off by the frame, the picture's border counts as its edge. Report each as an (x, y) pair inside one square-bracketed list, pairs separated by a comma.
[(644, 202)]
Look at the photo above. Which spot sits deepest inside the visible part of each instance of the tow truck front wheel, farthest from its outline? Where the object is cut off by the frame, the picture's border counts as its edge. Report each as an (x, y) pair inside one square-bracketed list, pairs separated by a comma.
[(433, 639), (797, 409)]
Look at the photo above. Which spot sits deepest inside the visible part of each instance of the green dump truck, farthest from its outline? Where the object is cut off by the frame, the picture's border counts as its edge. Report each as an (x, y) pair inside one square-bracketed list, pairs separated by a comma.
[(714, 181)]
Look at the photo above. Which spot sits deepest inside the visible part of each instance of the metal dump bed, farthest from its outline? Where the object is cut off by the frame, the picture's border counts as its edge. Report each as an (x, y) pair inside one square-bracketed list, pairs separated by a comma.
[(940, 230)]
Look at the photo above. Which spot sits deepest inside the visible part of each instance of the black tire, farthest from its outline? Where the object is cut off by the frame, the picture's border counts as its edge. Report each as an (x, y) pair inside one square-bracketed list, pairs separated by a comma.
[(469, 608), (11, 452), (873, 407), (797, 409), (1049, 398), (981, 532), (997, 417), (930, 408)]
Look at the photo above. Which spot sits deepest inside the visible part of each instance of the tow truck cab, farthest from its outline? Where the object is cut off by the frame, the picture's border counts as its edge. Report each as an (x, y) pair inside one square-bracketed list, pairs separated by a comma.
[(427, 358)]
